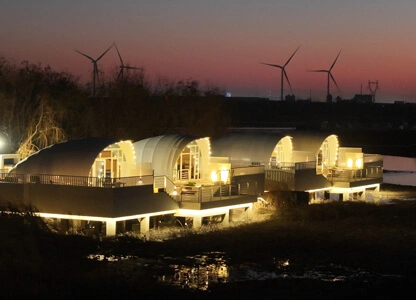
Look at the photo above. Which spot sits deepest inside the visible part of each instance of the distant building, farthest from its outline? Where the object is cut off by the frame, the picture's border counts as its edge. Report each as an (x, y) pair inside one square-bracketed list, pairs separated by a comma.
[(8, 161), (290, 98), (363, 98)]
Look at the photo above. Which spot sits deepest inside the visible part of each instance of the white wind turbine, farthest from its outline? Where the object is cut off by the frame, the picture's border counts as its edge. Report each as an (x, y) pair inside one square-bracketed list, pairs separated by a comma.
[(283, 73), (95, 67)]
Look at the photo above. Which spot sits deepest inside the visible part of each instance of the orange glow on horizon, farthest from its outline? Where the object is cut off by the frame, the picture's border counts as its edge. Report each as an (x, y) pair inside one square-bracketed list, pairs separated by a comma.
[(224, 44)]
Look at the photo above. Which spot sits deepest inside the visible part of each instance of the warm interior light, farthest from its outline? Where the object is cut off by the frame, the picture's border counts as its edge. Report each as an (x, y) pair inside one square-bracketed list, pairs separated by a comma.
[(214, 176), (224, 175), (359, 163), (349, 163), (175, 192)]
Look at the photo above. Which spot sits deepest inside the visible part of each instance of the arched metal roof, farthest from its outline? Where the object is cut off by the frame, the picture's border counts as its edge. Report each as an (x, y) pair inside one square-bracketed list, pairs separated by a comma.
[(161, 151), (307, 140), (258, 147), (246, 147), (74, 158)]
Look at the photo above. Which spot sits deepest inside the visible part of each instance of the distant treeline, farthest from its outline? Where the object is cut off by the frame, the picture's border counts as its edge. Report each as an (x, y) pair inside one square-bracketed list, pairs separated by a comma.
[(40, 107), (344, 114)]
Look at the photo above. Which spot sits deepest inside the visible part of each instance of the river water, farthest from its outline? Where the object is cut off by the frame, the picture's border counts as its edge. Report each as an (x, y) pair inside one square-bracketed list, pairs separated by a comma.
[(201, 271), (400, 178)]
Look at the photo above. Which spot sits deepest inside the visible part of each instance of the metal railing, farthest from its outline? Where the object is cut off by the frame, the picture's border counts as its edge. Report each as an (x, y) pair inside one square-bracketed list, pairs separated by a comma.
[(373, 172), (248, 170), (76, 180), (292, 167), (177, 192), (200, 194), (165, 183), (282, 166)]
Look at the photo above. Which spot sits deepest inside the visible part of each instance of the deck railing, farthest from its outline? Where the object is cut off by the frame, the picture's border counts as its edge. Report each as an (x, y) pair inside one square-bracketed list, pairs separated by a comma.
[(200, 194), (371, 172), (177, 191), (76, 180)]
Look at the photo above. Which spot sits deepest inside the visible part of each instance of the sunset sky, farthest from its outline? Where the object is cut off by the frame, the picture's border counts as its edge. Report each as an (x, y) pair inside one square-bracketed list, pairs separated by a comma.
[(223, 43)]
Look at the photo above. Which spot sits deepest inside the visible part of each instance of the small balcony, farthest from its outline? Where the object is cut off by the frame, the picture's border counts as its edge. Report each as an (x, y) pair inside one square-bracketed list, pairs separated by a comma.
[(353, 178)]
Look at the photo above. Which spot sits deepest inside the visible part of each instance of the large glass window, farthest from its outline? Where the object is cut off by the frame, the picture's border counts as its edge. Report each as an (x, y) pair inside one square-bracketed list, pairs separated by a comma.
[(188, 164), (108, 163)]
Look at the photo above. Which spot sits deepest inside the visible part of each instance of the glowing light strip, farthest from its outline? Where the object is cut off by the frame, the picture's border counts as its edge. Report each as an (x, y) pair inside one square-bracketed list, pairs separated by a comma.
[(102, 219), (355, 189), (71, 217), (211, 211), (358, 188), (318, 190), (159, 213)]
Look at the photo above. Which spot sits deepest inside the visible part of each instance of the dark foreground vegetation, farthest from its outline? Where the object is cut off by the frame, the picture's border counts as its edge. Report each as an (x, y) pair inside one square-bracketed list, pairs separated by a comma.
[(377, 238)]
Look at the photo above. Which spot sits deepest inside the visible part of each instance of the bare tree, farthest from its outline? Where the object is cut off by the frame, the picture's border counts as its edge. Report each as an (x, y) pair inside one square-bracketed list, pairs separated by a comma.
[(42, 131)]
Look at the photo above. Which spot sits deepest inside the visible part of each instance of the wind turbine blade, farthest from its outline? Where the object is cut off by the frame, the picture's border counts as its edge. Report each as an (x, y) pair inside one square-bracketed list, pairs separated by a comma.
[(333, 64), (291, 56), (276, 66), (119, 55), (333, 79), (131, 68), (287, 79), (104, 52), (323, 71), (89, 57)]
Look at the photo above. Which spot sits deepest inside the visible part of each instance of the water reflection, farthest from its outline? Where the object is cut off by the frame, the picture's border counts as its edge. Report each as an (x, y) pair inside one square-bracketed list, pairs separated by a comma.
[(199, 272)]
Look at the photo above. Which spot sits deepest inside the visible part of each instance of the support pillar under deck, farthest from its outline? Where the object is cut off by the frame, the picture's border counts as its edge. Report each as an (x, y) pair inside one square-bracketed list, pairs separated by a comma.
[(197, 222), (110, 228), (226, 220), (144, 225)]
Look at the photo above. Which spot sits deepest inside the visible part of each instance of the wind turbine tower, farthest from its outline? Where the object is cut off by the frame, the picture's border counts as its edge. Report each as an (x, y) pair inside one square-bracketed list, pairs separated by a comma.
[(373, 87), (283, 73), (330, 76), (95, 67)]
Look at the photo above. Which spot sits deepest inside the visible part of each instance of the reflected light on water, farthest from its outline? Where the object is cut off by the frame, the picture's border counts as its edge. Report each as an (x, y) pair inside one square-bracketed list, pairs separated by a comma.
[(200, 272), (197, 272)]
